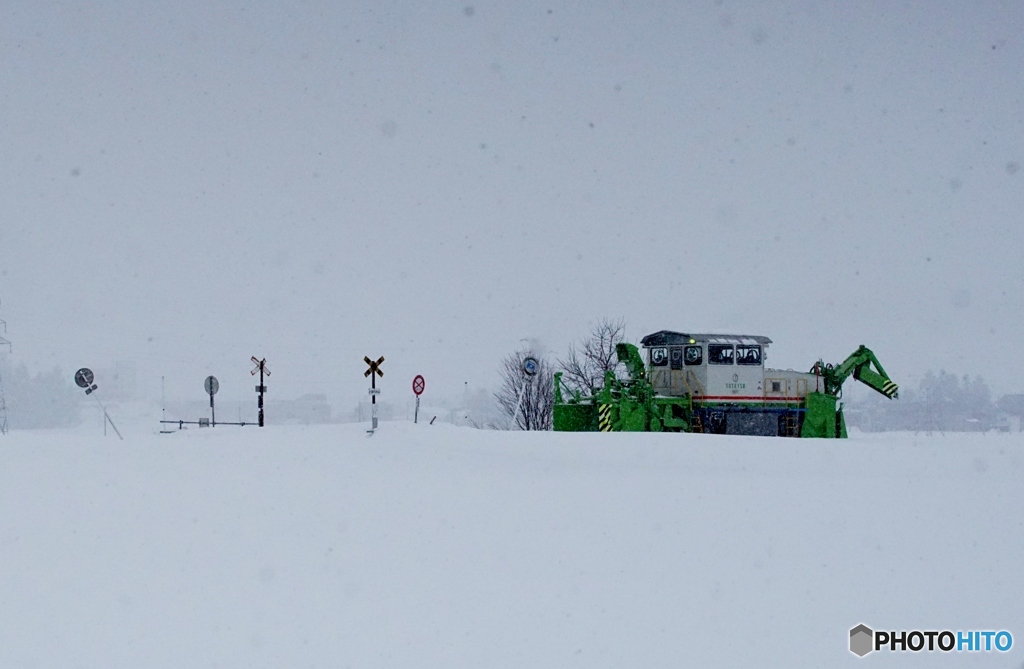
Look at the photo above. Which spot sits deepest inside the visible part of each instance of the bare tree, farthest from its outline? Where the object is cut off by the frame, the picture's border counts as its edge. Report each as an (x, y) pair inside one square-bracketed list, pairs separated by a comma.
[(586, 362), (534, 410)]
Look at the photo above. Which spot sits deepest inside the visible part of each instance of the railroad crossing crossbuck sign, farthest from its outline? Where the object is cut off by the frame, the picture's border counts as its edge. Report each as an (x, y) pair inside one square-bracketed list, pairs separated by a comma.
[(373, 370), (374, 366), (261, 367)]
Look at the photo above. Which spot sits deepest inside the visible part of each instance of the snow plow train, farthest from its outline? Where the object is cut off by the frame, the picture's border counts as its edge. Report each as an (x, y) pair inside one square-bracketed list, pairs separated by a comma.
[(717, 383)]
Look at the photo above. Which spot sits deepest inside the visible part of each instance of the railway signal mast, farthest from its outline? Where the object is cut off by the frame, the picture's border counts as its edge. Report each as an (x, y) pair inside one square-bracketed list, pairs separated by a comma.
[(261, 367)]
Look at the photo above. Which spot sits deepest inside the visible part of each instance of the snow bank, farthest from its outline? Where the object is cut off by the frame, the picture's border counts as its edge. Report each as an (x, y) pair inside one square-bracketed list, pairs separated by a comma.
[(436, 546)]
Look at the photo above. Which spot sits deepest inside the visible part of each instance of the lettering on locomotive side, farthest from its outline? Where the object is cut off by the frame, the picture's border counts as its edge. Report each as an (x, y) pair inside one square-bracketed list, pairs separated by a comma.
[(733, 386)]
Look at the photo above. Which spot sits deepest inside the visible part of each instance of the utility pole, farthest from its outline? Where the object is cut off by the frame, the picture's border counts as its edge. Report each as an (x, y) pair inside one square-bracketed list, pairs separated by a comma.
[(3, 400)]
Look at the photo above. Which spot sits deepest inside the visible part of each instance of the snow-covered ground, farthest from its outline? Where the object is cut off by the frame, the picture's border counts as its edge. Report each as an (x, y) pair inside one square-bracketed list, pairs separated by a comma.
[(438, 546)]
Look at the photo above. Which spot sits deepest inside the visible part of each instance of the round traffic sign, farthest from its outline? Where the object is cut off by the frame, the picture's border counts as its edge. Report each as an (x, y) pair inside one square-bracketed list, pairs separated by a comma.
[(212, 385), (418, 384), (530, 366), (84, 377)]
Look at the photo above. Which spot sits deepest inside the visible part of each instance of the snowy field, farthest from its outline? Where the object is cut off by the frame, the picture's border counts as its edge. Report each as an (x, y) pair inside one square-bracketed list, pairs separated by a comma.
[(437, 546)]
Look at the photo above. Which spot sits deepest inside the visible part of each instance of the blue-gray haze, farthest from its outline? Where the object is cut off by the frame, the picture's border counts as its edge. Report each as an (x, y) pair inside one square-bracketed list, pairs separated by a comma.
[(188, 184)]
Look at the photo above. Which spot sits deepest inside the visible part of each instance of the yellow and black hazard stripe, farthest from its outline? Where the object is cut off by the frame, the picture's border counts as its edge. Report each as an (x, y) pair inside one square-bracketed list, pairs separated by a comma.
[(604, 417), (889, 389)]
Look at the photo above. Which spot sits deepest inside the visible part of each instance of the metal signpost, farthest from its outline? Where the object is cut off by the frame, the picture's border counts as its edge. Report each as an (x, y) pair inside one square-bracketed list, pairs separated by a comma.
[(84, 379), (373, 372), (261, 367), (530, 367), (212, 386), (418, 384)]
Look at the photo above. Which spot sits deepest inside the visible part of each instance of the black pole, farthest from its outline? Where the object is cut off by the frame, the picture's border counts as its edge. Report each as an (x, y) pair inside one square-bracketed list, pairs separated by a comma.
[(261, 391), (213, 413)]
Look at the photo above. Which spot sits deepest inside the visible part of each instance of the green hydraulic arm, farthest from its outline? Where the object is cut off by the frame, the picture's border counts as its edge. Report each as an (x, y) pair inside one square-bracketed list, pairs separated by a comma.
[(631, 399), (629, 355), (863, 366)]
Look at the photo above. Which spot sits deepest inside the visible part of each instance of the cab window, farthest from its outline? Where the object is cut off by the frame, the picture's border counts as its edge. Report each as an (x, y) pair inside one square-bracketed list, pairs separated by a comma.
[(720, 354), (675, 356), (748, 355), (694, 355), (659, 357)]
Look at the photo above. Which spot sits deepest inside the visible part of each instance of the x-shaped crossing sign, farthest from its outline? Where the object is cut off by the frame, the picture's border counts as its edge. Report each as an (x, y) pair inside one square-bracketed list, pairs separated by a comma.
[(261, 366), (374, 366)]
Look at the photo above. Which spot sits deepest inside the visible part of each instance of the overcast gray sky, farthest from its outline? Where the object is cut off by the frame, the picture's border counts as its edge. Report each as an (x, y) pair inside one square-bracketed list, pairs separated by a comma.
[(188, 184)]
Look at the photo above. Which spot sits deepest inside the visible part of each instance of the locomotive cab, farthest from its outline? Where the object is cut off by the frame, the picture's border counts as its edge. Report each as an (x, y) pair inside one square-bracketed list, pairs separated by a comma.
[(718, 367)]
